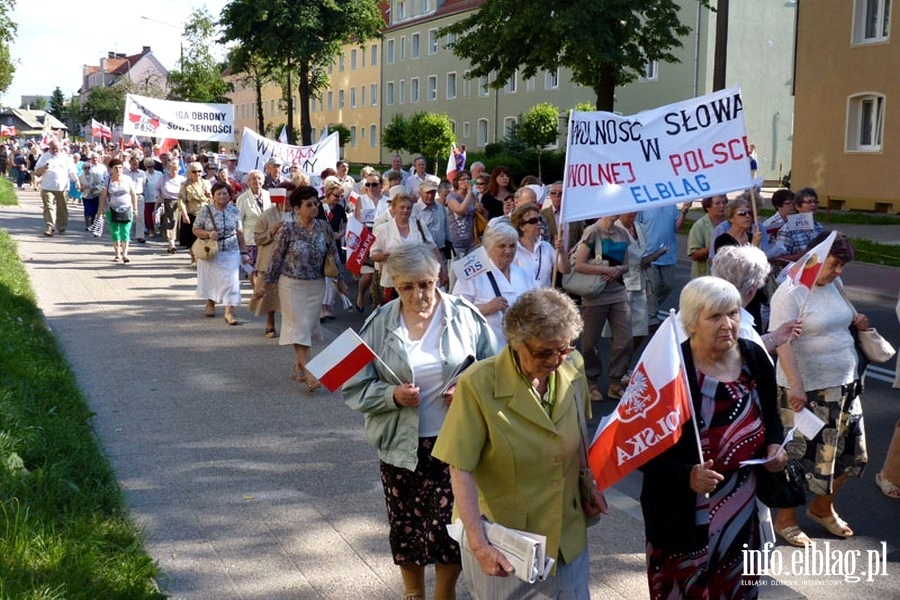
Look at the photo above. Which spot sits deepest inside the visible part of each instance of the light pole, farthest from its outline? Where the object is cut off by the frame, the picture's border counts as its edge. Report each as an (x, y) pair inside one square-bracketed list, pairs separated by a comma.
[(180, 37)]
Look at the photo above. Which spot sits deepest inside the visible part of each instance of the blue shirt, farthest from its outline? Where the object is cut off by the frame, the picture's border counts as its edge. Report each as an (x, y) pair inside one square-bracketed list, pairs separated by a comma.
[(659, 225)]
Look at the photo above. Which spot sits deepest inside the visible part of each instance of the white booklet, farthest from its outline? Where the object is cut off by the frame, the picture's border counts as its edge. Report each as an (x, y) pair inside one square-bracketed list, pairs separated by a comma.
[(465, 364), (761, 461), (526, 552)]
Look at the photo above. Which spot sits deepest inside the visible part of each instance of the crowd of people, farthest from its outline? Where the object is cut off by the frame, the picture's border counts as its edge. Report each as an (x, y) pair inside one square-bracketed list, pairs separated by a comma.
[(504, 442)]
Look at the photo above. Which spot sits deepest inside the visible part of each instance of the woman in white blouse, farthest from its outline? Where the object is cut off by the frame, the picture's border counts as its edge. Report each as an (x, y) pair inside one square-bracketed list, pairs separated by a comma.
[(533, 253)]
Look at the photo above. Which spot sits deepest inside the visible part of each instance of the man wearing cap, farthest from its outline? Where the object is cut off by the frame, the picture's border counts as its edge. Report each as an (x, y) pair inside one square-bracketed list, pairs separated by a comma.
[(431, 214), (274, 178), (56, 170)]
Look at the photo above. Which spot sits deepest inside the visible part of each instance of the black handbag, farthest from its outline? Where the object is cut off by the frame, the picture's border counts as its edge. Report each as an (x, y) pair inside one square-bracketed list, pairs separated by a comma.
[(120, 214), (785, 489)]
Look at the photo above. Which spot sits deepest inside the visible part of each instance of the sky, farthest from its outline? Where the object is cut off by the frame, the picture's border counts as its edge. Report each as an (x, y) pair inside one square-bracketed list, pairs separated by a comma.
[(56, 38)]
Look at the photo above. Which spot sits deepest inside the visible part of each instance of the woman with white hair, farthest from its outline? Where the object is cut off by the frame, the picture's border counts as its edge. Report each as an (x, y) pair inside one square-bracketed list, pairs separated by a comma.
[(700, 516), (495, 290), (746, 268)]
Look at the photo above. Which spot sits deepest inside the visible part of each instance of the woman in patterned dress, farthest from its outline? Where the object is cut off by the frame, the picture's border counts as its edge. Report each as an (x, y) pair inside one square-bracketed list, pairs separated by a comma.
[(699, 516)]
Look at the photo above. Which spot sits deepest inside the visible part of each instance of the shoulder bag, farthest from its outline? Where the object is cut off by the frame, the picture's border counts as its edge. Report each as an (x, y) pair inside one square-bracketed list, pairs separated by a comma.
[(118, 214), (785, 489), (585, 285), (205, 249), (869, 342), (330, 269)]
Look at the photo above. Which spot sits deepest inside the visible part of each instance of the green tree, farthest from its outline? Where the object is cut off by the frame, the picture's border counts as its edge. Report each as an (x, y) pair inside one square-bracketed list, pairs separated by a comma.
[(302, 36), (251, 71), (430, 134), (343, 133), (393, 135), (199, 76), (58, 104), (539, 127), (106, 104), (606, 43), (7, 35)]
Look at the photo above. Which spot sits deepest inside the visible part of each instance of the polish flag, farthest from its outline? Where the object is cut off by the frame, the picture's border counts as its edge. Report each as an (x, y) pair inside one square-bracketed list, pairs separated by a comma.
[(282, 137), (278, 195), (358, 242), (649, 416), (806, 269), (167, 144), (456, 162), (9, 131), (340, 360), (100, 130)]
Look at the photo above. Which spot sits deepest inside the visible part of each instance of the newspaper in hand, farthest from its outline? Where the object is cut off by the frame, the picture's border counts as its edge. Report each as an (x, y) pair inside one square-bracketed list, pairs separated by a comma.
[(465, 364), (526, 552)]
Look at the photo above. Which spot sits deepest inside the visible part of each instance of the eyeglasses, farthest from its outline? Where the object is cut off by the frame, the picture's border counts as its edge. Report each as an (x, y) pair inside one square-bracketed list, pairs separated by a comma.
[(545, 353), (313, 204), (559, 193), (811, 201), (743, 213), (531, 221), (422, 286), (371, 184), (336, 194), (195, 171)]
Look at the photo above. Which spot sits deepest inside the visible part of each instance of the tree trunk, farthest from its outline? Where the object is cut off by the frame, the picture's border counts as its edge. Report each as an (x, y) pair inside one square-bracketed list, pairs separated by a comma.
[(539, 150), (305, 125), (605, 87), (260, 119), (291, 138)]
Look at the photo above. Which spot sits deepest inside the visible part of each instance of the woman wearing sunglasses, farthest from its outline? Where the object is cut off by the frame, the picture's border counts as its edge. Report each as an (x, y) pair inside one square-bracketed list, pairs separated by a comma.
[(533, 253), (742, 232)]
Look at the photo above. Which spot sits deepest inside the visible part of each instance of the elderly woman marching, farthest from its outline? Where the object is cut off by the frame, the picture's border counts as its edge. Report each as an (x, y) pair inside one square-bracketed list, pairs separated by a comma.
[(513, 442), (264, 234), (699, 517), (422, 336)]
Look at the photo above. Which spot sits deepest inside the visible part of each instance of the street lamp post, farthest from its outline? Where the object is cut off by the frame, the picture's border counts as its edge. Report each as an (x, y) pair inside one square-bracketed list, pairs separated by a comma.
[(180, 38)]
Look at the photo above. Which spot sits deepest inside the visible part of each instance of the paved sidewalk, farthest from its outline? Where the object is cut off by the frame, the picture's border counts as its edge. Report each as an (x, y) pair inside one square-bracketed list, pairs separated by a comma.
[(245, 486)]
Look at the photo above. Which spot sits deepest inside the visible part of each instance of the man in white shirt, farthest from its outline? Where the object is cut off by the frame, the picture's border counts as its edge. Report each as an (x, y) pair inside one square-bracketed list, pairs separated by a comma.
[(418, 176), (56, 170), (431, 214), (139, 180), (397, 165)]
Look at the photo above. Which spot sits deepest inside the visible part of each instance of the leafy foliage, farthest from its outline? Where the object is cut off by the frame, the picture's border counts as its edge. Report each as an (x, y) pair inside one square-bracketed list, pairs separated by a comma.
[(539, 127), (7, 35), (58, 104), (199, 76), (393, 135), (106, 104), (252, 71), (605, 44), (7, 68), (343, 133), (302, 36)]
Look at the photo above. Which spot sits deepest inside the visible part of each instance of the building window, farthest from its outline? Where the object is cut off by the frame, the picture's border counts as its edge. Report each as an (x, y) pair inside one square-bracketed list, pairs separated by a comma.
[(414, 46), (362, 56), (373, 55), (512, 83), (353, 135), (340, 98), (353, 59), (451, 86), (529, 84), (432, 88), (432, 41), (871, 21), (389, 93), (389, 52), (451, 39), (426, 6), (414, 89), (651, 71), (508, 124), (466, 131), (353, 97), (453, 126), (271, 107), (362, 96), (482, 132), (373, 94), (342, 60), (551, 80), (402, 48), (399, 10), (865, 123), (401, 96), (373, 136), (467, 85), (483, 87)]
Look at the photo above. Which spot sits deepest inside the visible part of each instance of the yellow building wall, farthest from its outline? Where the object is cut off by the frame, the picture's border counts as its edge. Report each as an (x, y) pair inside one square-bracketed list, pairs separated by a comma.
[(830, 69)]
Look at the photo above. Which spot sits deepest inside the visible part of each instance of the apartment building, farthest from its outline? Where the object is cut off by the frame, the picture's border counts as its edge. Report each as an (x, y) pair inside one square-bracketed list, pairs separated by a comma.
[(845, 87)]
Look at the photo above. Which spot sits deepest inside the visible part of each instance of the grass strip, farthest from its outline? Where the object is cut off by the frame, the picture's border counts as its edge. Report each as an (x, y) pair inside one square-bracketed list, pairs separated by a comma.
[(7, 193), (64, 529), (875, 253)]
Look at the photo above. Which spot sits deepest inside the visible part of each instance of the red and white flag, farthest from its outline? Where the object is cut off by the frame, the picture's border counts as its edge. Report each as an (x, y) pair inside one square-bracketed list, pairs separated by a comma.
[(456, 162), (340, 360), (167, 144), (282, 137), (805, 270), (649, 416), (7, 131), (358, 242), (100, 130)]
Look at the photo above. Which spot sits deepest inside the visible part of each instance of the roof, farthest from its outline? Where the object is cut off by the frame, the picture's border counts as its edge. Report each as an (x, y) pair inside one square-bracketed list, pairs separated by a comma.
[(35, 119), (447, 8), (121, 66)]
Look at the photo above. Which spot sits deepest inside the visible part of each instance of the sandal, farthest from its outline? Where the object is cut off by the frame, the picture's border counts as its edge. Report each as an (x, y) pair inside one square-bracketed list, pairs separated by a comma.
[(887, 487), (270, 333), (299, 374), (595, 393), (312, 384), (210, 310), (229, 318), (833, 523), (794, 536)]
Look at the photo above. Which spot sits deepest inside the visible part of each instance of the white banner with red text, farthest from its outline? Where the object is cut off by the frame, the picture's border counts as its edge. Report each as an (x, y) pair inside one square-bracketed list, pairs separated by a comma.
[(179, 120), (672, 154), (256, 150)]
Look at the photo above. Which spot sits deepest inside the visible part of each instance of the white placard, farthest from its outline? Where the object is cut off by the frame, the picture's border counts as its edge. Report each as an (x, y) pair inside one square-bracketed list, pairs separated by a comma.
[(179, 120), (256, 150)]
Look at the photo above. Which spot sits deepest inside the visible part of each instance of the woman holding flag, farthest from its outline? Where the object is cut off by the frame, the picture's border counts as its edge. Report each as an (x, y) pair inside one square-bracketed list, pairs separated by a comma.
[(819, 371), (699, 504), (421, 339)]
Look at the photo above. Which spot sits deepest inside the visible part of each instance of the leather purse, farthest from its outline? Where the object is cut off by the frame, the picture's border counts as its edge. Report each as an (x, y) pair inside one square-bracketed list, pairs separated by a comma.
[(785, 489), (869, 342), (205, 249), (585, 285), (330, 269)]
